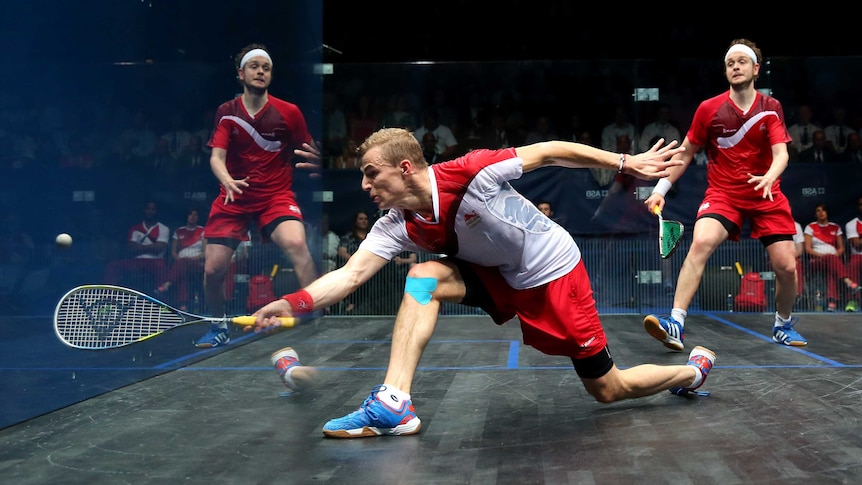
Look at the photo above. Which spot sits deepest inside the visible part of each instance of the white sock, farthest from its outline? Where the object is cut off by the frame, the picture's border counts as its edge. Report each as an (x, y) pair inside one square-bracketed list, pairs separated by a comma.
[(286, 378), (698, 378), (780, 322), (679, 315), (392, 396)]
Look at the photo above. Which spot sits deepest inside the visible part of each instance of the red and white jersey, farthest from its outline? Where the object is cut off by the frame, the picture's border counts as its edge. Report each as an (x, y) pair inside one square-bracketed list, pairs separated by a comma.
[(149, 235), (799, 237), (853, 229), (824, 238), (260, 147), (737, 143), (190, 242), (478, 217)]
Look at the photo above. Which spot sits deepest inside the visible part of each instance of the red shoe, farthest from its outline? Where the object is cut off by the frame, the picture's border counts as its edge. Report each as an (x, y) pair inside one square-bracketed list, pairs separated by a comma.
[(703, 359)]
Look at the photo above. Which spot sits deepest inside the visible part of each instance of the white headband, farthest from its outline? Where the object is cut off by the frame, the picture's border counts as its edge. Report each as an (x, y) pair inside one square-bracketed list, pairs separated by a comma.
[(741, 48), (254, 53)]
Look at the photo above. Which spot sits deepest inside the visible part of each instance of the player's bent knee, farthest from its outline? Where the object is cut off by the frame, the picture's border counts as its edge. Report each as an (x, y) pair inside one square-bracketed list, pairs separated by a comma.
[(600, 376), (601, 392), (605, 398), (421, 289), (786, 269), (292, 244), (215, 272), (429, 269)]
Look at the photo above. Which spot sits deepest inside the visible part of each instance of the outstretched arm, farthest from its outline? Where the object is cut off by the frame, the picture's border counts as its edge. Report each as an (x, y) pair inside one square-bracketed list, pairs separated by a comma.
[(330, 288), (650, 165)]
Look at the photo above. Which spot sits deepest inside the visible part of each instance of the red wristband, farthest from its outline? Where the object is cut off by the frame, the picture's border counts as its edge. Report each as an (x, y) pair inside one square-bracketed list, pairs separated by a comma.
[(300, 302)]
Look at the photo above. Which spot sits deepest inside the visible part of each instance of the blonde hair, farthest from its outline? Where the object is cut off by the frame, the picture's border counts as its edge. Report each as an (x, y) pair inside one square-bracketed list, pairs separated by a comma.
[(395, 144)]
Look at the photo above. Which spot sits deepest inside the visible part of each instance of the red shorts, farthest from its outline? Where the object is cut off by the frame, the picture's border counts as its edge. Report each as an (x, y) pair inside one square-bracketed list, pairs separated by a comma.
[(232, 221), (559, 318), (767, 217)]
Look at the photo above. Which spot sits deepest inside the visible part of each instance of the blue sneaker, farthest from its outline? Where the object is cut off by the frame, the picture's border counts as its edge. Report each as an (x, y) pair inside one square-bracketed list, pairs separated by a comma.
[(374, 418), (786, 335), (667, 330), (703, 359), (215, 337)]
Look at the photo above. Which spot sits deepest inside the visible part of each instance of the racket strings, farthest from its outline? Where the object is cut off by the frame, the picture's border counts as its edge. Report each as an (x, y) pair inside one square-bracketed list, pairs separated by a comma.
[(96, 318), (669, 235)]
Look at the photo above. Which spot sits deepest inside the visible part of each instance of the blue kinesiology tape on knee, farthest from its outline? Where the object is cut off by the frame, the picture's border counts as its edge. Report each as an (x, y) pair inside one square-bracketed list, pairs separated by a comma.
[(420, 288)]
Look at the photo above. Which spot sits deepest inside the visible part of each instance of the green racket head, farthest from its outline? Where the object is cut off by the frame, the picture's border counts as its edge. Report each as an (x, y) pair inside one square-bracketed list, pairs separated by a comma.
[(671, 233)]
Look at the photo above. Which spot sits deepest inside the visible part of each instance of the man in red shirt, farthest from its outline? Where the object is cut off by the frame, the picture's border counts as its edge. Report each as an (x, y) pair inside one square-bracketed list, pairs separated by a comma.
[(147, 243), (824, 245), (255, 142), (187, 253), (852, 230), (746, 139)]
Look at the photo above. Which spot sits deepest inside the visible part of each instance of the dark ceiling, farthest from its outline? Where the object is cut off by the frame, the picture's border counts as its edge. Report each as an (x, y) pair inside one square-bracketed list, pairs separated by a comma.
[(387, 31)]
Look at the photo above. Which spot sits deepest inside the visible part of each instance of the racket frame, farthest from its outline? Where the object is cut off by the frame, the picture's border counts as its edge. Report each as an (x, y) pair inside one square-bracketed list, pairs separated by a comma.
[(661, 234), (96, 317)]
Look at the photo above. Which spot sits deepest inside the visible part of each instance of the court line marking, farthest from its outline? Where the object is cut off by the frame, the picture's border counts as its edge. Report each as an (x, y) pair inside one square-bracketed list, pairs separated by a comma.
[(800, 350)]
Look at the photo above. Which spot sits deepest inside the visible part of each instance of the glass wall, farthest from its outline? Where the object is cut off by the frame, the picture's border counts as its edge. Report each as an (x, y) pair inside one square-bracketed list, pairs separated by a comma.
[(92, 131), (88, 145)]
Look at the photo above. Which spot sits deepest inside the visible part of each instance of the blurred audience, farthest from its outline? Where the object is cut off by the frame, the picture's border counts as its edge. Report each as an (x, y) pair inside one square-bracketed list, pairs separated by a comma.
[(542, 130), (497, 135), (838, 131), (819, 151), (177, 135), (193, 158), (146, 246), (364, 119), (447, 145), (802, 131), (348, 245), (853, 232), (429, 148), (399, 113), (334, 126), (853, 151), (187, 263), (660, 127), (620, 126), (824, 245)]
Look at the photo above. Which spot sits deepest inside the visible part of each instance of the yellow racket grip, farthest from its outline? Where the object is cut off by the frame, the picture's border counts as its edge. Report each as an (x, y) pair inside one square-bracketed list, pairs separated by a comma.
[(249, 320), (656, 210), (738, 268)]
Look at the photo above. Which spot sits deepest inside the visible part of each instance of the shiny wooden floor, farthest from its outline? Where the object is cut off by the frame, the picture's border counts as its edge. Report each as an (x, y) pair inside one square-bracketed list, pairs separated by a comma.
[(493, 412)]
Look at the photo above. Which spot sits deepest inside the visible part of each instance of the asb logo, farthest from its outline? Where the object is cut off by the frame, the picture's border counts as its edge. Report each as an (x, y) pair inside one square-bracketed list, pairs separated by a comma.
[(813, 191)]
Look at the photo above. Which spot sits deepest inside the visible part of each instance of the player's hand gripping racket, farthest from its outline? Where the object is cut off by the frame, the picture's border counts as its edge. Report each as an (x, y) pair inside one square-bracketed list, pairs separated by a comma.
[(669, 234), (97, 317)]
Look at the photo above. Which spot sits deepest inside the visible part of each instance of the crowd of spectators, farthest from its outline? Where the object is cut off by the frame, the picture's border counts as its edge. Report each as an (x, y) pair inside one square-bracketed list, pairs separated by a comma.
[(465, 107), (160, 125)]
